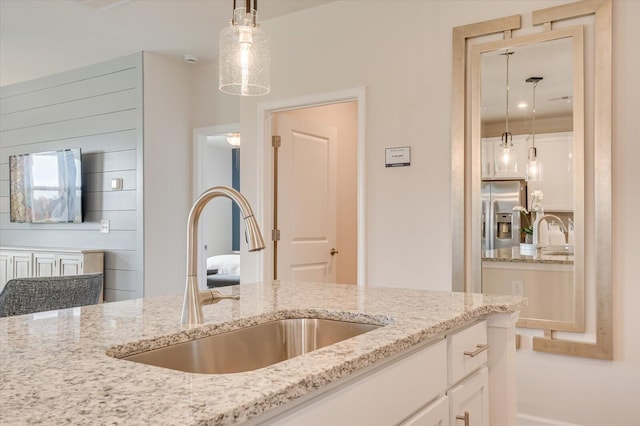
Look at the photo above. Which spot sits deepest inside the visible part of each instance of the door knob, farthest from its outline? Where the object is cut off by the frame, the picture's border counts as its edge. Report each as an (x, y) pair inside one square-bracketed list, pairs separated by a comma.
[(333, 252)]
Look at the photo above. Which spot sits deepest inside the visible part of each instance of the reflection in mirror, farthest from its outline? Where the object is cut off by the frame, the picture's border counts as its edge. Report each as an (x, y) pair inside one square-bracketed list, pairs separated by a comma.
[(529, 225), (220, 221)]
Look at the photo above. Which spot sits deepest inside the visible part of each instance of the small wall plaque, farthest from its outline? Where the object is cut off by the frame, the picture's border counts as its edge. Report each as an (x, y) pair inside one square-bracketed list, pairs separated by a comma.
[(398, 156)]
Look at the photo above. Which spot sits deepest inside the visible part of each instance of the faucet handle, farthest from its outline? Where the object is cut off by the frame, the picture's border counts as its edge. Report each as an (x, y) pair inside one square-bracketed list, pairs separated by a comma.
[(214, 296)]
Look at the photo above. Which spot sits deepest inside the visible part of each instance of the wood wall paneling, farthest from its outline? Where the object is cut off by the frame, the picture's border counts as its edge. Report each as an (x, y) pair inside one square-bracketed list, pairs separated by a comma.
[(99, 110)]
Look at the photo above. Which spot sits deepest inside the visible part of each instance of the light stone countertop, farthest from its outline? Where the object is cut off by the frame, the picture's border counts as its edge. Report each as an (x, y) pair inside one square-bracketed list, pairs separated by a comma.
[(54, 368), (512, 254)]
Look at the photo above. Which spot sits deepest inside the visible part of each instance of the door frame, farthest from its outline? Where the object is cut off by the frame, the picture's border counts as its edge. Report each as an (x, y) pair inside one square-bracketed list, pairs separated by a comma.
[(265, 167)]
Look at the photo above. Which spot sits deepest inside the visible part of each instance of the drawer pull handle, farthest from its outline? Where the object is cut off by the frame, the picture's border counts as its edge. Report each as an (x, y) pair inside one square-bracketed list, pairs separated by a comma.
[(478, 351), (466, 418)]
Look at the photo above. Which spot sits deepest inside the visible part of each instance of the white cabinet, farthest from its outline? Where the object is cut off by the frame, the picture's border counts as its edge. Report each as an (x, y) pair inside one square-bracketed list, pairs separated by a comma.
[(555, 153), (467, 375), (432, 385), (24, 262), (469, 401), (435, 414), (44, 265), (491, 148), (14, 265)]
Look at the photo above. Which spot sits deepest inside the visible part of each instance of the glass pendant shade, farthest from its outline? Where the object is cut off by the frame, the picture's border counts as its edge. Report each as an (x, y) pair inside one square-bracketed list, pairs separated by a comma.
[(533, 169), (505, 161), (245, 56)]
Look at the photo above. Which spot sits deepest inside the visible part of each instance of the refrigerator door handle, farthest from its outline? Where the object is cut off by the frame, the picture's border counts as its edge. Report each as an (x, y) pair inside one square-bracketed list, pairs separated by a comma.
[(493, 234)]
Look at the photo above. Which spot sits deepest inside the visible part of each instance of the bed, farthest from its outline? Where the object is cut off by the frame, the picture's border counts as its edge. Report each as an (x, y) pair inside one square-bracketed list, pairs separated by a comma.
[(223, 270)]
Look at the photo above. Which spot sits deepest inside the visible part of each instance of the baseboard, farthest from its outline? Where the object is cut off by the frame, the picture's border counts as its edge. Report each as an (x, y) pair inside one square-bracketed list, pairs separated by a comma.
[(527, 420)]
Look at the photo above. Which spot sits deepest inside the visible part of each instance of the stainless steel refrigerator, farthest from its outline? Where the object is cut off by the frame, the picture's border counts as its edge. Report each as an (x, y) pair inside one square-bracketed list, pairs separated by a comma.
[(500, 223)]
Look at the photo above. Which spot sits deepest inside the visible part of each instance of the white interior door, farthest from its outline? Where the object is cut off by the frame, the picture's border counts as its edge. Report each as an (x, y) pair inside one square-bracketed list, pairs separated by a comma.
[(306, 200)]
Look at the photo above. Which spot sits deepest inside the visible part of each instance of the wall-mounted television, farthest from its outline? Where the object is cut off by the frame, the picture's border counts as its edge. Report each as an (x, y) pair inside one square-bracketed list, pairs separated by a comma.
[(46, 187)]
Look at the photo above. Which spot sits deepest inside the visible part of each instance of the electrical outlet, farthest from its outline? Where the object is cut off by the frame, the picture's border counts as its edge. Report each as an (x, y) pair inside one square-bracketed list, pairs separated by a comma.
[(517, 287), (104, 226)]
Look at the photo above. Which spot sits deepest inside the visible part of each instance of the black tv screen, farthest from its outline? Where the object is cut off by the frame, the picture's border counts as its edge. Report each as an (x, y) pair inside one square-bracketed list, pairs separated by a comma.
[(46, 187)]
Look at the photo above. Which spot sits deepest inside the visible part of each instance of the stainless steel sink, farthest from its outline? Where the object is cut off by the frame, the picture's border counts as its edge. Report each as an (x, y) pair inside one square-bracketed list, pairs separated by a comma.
[(254, 347)]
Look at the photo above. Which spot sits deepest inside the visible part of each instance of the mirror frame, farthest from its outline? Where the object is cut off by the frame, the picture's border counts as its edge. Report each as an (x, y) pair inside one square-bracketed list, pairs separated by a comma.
[(461, 186)]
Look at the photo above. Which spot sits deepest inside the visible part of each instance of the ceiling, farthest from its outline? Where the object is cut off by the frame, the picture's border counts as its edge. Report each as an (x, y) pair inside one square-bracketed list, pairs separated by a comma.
[(42, 37), (551, 60)]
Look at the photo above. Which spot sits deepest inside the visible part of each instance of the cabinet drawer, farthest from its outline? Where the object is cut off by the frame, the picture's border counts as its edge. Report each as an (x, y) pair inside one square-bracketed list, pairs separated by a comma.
[(467, 351), (381, 397)]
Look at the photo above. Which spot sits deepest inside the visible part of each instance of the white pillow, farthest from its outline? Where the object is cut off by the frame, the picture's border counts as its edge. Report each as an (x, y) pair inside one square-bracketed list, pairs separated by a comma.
[(228, 264)]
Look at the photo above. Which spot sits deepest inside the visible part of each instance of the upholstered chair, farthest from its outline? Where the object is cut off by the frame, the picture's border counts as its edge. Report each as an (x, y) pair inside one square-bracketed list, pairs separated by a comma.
[(28, 295)]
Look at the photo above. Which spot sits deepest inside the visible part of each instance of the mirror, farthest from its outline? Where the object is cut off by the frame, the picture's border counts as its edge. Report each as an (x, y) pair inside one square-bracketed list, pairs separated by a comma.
[(546, 268), (555, 330)]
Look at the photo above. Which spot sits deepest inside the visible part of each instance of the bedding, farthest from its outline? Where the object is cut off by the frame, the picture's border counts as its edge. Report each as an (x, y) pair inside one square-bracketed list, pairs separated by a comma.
[(228, 264), (223, 270)]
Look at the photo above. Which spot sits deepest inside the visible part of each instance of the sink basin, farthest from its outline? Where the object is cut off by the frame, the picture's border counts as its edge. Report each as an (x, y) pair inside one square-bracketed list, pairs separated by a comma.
[(253, 347)]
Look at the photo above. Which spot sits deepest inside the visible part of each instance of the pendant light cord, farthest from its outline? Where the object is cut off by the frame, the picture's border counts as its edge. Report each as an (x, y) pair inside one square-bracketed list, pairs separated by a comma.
[(507, 134)]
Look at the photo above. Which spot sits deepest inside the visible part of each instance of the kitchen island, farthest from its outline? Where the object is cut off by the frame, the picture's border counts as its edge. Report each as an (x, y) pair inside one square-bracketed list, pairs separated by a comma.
[(55, 368), (514, 255)]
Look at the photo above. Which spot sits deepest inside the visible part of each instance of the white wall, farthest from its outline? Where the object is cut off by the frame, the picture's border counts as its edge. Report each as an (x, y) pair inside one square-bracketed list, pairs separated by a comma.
[(167, 172), (401, 52)]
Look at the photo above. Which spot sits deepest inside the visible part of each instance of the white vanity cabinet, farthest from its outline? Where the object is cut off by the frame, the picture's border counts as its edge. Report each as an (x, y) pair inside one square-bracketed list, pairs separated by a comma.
[(441, 382), (25, 262), (491, 146)]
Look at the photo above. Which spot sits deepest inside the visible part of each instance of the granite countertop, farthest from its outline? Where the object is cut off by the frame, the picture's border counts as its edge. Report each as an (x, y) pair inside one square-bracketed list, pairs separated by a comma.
[(512, 254), (54, 367)]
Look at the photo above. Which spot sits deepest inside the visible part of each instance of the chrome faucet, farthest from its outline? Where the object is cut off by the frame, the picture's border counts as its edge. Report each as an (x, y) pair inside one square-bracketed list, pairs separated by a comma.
[(536, 227), (193, 297)]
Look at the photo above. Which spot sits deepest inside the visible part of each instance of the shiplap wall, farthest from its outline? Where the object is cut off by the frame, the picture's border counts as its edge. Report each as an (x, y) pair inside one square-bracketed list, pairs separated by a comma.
[(99, 110)]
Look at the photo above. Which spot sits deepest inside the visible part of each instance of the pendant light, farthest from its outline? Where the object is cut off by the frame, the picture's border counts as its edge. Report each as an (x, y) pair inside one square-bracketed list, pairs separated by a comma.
[(233, 139), (505, 154), (534, 167), (245, 58)]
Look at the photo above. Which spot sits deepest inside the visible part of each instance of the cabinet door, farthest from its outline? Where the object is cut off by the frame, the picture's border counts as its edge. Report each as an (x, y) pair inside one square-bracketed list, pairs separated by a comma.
[(22, 265), (70, 264), (6, 270), (555, 152), (434, 414), (44, 265), (469, 401), (487, 158)]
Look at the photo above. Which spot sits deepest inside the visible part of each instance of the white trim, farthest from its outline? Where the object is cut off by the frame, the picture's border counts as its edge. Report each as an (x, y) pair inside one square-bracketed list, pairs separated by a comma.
[(264, 166)]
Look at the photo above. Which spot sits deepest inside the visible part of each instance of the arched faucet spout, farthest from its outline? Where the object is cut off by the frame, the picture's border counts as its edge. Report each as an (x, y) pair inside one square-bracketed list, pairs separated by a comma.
[(194, 298)]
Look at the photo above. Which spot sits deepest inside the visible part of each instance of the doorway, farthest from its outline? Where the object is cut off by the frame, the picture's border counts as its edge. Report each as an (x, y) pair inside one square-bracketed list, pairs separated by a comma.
[(216, 162), (313, 188)]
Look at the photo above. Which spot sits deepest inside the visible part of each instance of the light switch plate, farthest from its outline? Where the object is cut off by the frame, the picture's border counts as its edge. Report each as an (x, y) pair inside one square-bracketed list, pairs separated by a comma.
[(104, 226), (116, 184)]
